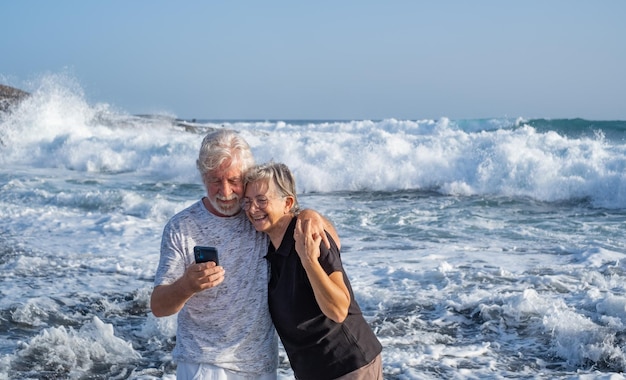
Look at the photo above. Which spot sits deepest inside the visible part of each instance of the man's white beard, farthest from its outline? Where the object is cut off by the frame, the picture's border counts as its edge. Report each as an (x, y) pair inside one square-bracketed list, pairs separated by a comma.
[(229, 210)]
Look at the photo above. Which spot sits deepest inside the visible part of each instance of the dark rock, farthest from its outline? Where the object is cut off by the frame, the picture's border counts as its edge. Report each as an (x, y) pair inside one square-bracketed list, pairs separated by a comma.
[(10, 96)]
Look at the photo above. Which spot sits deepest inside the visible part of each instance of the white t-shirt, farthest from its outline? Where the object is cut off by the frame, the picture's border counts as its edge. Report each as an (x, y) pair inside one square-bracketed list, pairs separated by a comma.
[(228, 326)]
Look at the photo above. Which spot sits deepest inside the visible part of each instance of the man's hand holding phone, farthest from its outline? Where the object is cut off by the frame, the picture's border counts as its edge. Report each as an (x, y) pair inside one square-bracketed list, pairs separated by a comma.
[(206, 273)]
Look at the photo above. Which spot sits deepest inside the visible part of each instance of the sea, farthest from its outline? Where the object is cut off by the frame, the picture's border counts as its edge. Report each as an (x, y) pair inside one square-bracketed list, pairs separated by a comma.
[(477, 248)]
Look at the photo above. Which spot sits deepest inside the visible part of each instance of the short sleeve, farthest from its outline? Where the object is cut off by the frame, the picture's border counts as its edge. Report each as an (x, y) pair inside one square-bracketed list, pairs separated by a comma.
[(330, 259)]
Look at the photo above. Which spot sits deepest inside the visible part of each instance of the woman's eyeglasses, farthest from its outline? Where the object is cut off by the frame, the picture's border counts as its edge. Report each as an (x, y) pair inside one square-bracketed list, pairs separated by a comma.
[(260, 202)]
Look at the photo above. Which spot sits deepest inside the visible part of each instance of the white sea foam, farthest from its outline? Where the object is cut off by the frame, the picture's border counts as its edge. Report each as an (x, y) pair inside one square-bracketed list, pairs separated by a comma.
[(61, 349), (57, 128)]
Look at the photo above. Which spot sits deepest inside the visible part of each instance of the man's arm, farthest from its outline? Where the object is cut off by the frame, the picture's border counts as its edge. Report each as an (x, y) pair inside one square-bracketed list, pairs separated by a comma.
[(169, 299), (319, 224)]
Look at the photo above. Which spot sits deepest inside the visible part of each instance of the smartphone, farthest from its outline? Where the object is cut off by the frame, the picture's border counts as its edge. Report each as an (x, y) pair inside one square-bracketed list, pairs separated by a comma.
[(204, 254)]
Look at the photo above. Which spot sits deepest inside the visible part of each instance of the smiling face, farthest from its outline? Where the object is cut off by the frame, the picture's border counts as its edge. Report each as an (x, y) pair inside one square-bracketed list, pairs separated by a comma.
[(268, 211), (224, 189)]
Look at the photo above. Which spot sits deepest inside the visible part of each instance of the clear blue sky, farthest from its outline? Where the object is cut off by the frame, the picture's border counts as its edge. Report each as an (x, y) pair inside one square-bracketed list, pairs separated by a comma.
[(327, 59)]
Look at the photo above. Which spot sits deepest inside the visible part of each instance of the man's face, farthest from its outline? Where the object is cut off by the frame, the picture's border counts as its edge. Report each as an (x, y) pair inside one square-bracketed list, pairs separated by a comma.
[(224, 189)]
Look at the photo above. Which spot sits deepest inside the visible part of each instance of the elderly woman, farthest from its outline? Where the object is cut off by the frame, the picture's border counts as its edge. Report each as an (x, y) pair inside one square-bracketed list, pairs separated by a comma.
[(310, 298)]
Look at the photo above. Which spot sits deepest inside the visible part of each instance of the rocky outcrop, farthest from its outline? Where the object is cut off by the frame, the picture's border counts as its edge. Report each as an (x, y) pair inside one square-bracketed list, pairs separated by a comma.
[(9, 96)]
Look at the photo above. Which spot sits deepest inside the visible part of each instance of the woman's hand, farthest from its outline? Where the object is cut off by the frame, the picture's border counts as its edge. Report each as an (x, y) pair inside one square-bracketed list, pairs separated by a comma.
[(307, 242), (320, 225)]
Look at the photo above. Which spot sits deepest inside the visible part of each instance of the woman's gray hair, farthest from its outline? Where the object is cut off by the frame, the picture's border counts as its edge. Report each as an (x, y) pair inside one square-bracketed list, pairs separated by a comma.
[(221, 146), (280, 175)]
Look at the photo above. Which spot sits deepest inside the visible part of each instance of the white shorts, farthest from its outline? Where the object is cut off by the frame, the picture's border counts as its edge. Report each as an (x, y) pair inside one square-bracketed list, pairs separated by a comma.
[(194, 371)]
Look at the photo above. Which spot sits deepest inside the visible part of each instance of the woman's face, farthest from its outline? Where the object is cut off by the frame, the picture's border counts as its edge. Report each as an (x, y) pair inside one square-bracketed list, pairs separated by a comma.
[(264, 207)]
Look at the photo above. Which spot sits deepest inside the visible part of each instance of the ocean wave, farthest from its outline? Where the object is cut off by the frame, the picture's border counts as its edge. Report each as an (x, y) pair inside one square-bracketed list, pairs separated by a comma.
[(548, 160)]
